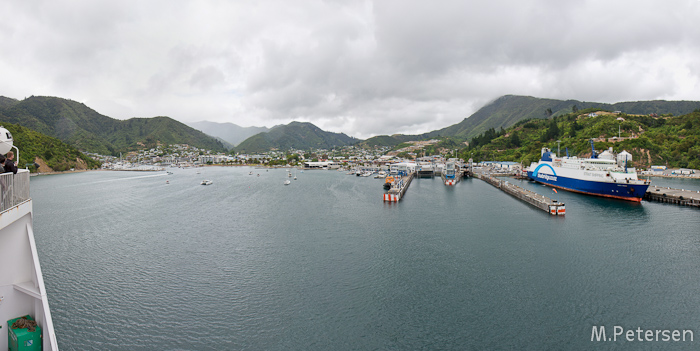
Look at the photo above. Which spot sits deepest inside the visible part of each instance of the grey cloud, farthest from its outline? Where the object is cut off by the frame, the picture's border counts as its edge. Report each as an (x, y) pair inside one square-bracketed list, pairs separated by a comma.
[(359, 67)]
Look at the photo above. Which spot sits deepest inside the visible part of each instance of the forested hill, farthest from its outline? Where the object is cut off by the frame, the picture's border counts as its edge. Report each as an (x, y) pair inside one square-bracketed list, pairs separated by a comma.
[(47, 151), (665, 140), (87, 130), (296, 135), (7, 102), (509, 109)]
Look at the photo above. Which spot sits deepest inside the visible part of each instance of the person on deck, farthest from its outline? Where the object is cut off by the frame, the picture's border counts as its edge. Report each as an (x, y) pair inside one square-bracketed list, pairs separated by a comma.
[(9, 165), (3, 186)]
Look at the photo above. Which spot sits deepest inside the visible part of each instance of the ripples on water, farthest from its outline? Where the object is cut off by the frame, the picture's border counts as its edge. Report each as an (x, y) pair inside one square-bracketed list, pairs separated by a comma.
[(133, 263)]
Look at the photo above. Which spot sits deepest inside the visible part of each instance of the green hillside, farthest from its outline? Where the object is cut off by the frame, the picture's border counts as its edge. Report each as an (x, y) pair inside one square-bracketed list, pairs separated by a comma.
[(36, 147), (7, 102), (389, 140), (87, 130), (295, 135), (508, 110), (672, 141)]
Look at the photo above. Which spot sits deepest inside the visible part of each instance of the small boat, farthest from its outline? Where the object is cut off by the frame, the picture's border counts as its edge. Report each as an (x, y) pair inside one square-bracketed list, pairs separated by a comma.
[(287, 182), (206, 182)]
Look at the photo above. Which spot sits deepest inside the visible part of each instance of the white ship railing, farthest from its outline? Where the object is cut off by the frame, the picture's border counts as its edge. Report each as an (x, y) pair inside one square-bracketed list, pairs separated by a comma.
[(14, 189)]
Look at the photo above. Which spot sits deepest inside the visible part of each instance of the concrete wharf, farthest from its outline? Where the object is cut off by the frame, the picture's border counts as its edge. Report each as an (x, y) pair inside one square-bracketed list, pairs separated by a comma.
[(398, 188), (542, 202), (673, 196)]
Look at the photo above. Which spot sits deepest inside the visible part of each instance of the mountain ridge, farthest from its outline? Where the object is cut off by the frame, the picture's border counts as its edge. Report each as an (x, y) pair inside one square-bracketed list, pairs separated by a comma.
[(507, 110), (296, 135), (86, 129), (231, 133)]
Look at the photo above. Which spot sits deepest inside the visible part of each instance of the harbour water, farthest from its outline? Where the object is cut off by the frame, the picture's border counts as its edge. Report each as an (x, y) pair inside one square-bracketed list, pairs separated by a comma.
[(133, 263)]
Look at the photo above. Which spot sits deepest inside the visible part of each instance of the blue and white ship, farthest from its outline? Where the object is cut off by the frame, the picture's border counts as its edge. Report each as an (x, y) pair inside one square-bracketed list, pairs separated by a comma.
[(602, 175)]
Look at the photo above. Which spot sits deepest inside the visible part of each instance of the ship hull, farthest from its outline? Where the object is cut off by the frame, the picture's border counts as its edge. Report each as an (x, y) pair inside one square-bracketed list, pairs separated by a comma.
[(569, 180)]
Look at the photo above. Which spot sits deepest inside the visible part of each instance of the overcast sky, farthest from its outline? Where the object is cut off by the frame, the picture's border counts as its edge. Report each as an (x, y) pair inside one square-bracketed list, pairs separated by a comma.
[(359, 67)]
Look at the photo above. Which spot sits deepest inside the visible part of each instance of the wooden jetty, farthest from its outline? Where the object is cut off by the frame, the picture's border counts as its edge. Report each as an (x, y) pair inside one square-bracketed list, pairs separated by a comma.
[(398, 188), (673, 196), (542, 202)]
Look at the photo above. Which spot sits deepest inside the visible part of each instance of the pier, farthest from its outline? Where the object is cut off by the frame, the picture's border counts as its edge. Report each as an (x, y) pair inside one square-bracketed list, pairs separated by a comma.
[(542, 202), (398, 188), (673, 196)]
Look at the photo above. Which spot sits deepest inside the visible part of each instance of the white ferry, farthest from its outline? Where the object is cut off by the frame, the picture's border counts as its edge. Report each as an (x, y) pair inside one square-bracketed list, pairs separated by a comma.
[(22, 291), (599, 175)]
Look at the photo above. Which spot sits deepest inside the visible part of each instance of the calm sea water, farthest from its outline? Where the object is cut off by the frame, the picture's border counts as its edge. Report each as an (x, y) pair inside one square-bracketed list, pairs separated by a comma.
[(133, 263)]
